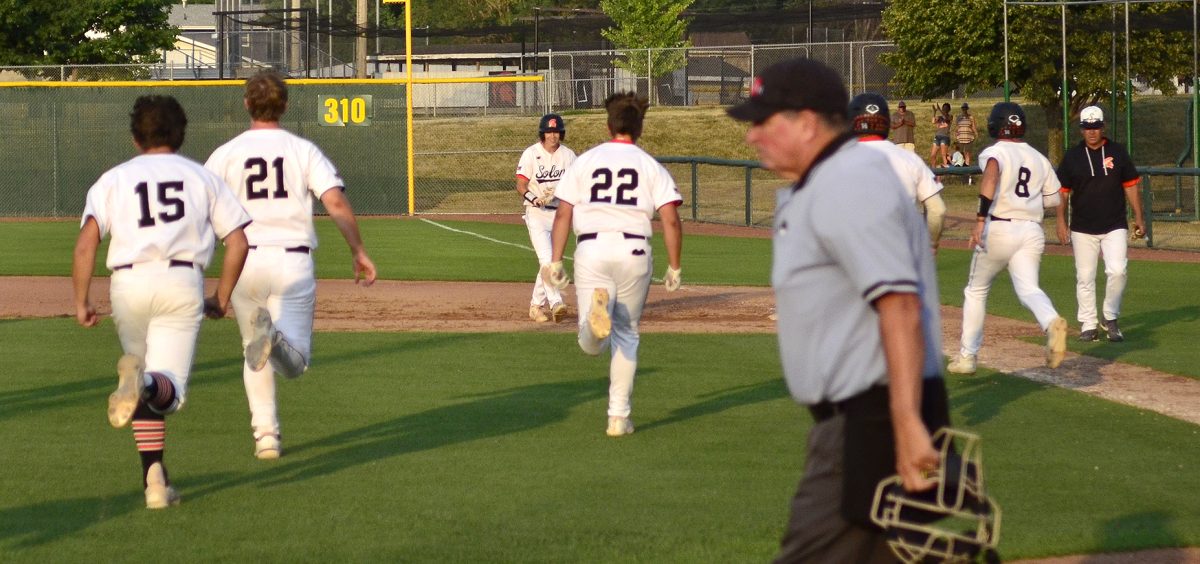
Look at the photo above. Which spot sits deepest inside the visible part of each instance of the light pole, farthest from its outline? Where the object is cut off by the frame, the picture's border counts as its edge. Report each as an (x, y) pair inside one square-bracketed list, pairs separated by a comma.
[(537, 16)]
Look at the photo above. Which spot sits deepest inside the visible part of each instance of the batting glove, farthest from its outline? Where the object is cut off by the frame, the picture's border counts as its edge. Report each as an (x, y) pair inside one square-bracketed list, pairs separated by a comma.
[(554, 273), (673, 279)]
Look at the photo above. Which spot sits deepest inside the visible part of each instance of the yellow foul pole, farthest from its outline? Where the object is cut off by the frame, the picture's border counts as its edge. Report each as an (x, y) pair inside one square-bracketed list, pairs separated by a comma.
[(408, 92)]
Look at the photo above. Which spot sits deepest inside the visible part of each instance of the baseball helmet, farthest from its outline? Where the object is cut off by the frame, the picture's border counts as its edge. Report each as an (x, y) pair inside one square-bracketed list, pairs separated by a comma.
[(953, 522), (1007, 121), (869, 115), (552, 122)]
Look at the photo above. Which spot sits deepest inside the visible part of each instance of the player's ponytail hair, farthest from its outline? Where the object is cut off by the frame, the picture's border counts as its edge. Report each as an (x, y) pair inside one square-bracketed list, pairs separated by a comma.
[(157, 121), (626, 110), (266, 96)]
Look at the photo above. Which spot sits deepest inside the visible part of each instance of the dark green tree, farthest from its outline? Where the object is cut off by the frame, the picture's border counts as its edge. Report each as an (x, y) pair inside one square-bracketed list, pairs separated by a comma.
[(643, 24), (80, 32), (946, 44)]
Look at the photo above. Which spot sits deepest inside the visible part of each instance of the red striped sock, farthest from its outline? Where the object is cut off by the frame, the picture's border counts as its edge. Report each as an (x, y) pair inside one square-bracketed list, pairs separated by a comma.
[(160, 394), (150, 436)]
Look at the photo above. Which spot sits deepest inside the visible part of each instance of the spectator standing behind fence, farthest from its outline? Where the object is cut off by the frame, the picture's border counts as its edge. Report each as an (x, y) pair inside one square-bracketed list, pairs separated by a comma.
[(938, 156), (1097, 176), (904, 123), (964, 133)]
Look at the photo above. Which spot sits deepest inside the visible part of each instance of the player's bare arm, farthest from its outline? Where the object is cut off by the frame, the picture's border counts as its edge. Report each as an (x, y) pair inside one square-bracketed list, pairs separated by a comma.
[(81, 272), (558, 242), (987, 193), (236, 248), (673, 240), (526, 194), (1135, 204), (343, 216), (904, 349), (1060, 219)]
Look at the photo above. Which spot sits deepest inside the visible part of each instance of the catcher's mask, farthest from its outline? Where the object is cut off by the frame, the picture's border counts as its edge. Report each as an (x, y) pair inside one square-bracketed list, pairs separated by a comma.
[(869, 115), (1007, 121), (953, 522), (552, 122)]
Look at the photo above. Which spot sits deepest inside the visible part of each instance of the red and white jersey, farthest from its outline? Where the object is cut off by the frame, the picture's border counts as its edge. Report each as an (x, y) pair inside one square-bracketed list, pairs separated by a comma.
[(162, 207), (914, 174), (1026, 176), (276, 174), (544, 169), (616, 187)]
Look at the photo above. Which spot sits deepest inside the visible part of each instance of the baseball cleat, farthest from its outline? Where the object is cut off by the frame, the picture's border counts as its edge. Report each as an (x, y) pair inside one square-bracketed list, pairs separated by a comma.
[(1056, 342), (598, 319), (159, 495), (1114, 332), (964, 364), (258, 350), (130, 384), (558, 311), (267, 447), (619, 426), (537, 314), (1088, 335)]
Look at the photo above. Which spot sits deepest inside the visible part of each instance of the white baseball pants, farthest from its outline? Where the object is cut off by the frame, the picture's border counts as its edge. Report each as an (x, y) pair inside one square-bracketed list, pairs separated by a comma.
[(1018, 245), (623, 266), (157, 309), (1113, 246), (539, 222), (284, 284)]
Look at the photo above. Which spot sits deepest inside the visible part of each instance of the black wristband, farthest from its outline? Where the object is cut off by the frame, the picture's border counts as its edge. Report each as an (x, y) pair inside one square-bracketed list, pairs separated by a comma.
[(985, 206), (529, 197)]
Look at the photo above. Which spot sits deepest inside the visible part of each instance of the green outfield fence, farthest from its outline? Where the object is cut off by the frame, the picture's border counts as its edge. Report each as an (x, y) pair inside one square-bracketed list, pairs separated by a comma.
[(58, 140)]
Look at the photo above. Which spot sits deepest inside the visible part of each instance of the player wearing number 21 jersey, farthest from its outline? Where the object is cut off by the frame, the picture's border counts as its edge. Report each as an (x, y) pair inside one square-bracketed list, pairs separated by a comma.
[(1018, 184), (162, 211), (276, 175), (610, 195)]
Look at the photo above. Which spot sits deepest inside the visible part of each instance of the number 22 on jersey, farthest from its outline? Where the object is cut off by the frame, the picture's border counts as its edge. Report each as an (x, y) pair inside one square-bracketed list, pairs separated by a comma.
[(259, 166), (604, 182)]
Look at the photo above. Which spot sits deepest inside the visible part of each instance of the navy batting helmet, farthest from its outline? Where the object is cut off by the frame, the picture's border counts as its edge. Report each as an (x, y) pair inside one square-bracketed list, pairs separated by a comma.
[(869, 114), (552, 122), (1007, 121)]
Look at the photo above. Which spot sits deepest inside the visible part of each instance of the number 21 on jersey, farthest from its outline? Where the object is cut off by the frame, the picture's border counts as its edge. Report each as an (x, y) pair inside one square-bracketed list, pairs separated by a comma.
[(253, 179)]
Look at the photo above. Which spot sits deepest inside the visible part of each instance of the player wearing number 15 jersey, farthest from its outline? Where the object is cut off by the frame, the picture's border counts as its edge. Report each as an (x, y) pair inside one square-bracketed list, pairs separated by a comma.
[(276, 174), (610, 194), (162, 211), (1018, 184)]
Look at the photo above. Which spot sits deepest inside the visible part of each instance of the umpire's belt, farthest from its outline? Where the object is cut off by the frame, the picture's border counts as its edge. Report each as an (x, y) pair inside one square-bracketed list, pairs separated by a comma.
[(589, 236), (301, 249), (827, 409), (170, 264)]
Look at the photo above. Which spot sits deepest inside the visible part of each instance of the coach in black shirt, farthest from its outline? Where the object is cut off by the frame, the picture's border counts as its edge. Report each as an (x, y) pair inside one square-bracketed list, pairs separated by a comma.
[(1097, 178)]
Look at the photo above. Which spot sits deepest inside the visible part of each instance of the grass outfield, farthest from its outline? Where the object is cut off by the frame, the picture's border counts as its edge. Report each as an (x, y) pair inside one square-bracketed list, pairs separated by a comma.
[(400, 448), (1161, 315)]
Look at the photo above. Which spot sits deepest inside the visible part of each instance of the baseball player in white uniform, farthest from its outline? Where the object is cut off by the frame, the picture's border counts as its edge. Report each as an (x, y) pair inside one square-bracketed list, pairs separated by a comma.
[(1018, 184), (162, 211), (276, 174), (610, 195), (538, 172), (871, 123)]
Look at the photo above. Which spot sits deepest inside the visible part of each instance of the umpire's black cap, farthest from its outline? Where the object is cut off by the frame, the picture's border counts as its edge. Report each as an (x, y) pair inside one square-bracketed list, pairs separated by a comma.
[(796, 84)]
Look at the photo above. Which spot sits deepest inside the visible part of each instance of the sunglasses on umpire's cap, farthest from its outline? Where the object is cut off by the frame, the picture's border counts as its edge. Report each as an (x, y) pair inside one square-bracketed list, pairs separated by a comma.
[(796, 84)]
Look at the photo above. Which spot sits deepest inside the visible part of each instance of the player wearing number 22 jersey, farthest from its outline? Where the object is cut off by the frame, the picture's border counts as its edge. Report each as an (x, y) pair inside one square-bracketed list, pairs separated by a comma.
[(276, 175), (610, 195), (1018, 184)]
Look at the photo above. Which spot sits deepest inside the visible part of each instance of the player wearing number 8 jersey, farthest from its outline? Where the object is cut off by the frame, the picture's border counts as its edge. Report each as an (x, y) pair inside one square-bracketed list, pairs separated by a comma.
[(610, 195), (161, 210), (276, 174), (1018, 184)]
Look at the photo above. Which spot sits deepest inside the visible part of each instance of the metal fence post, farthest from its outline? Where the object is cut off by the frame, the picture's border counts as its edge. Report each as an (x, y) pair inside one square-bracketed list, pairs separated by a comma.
[(695, 190), (748, 180), (1147, 210)]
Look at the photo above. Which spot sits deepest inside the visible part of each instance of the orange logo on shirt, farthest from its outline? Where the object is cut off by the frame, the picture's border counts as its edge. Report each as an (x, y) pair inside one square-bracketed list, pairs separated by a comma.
[(1108, 162)]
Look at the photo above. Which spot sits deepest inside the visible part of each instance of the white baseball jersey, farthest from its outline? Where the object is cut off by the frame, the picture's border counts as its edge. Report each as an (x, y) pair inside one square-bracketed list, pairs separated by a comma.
[(544, 169), (616, 187), (918, 180), (275, 174), (159, 207), (1026, 176)]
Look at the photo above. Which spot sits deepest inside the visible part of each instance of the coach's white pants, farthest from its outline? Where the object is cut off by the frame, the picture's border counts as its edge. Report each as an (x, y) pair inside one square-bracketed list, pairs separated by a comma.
[(284, 284), (539, 222), (1113, 246), (157, 309), (623, 266), (1017, 245)]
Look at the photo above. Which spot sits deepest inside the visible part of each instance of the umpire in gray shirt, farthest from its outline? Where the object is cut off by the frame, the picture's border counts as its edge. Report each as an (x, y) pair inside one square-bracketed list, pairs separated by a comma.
[(856, 295)]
